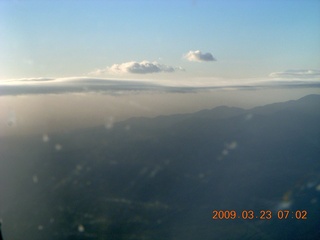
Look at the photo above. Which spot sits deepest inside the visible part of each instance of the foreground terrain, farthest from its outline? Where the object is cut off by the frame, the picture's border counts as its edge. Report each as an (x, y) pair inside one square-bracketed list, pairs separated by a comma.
[(161, 178)]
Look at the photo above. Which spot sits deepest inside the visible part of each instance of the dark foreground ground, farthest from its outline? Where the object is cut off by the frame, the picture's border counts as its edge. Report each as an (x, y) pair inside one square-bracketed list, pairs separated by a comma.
[(161, 178)]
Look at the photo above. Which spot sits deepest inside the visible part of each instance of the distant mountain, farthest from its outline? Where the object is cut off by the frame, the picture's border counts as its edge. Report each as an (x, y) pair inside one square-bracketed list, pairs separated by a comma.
[(161, 178)]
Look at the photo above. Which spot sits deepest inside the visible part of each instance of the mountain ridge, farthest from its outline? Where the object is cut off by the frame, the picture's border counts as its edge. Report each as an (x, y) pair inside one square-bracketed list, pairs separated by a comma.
[(144, 178), (228, 111)]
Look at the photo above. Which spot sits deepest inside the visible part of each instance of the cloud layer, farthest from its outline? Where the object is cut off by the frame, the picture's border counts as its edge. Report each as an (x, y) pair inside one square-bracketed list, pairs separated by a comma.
[(134, 67), (198, 56), (116, 87), (297, 74)]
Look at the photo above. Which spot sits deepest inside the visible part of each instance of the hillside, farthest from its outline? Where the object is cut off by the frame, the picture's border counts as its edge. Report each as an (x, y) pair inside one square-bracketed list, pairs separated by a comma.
[(161, 178)]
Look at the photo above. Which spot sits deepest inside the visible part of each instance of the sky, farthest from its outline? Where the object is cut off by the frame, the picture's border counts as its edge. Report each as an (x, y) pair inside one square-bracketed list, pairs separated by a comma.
[(246, 39), (144, 52)]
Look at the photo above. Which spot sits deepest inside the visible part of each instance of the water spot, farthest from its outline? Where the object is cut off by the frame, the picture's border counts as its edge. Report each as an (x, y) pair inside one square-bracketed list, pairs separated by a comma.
[(11, 121), (311, 184), (232, 145), (228, 148), (40, 227), (318, 187), (284, 205), (112, 162), (58, 147), (127, 127), (35, 179), (81, 228), (201, 175), (314, 200), (219, 158), (167, 162), (155, 171), (143, 171), (51, 220), (79, 167), (119, 200), (132, 183), (85, 89), (45, 138), (287, 196), (248, 116), (109, 122), (138, 105)]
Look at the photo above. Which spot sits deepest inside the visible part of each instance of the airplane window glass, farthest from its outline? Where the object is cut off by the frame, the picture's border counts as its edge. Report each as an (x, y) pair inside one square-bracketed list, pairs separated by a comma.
[(153, 120)]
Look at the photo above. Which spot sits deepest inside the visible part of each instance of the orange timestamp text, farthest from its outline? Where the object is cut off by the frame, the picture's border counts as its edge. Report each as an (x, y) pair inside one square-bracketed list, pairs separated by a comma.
[(262, 214)]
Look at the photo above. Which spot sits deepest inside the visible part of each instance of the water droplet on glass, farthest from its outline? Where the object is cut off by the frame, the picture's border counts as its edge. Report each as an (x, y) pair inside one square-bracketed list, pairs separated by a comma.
[(81, 228), (11, 119), (225, 152), (58, 147), (249, 116), (35, 179), (79, 167), (314, 200), (232, 145), (109, 122), (45, 138)]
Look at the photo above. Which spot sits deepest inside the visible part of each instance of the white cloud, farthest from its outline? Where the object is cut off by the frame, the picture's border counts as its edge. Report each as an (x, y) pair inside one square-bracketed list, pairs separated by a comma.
[(296, 74), (133, 67), (26, 80), (198, 56), (28, 86)]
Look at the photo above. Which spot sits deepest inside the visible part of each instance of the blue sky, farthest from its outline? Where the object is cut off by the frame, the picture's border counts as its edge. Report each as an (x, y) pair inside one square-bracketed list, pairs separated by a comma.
[(248, 39)]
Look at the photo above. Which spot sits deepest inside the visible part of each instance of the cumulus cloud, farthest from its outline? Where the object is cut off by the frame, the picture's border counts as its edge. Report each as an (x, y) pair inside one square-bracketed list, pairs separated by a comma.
[(198, 56), (143, 67), (296, 74)]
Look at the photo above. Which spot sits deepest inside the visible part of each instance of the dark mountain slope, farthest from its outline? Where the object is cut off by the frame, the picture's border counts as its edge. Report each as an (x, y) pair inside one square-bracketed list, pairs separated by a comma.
[(161, 178)]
